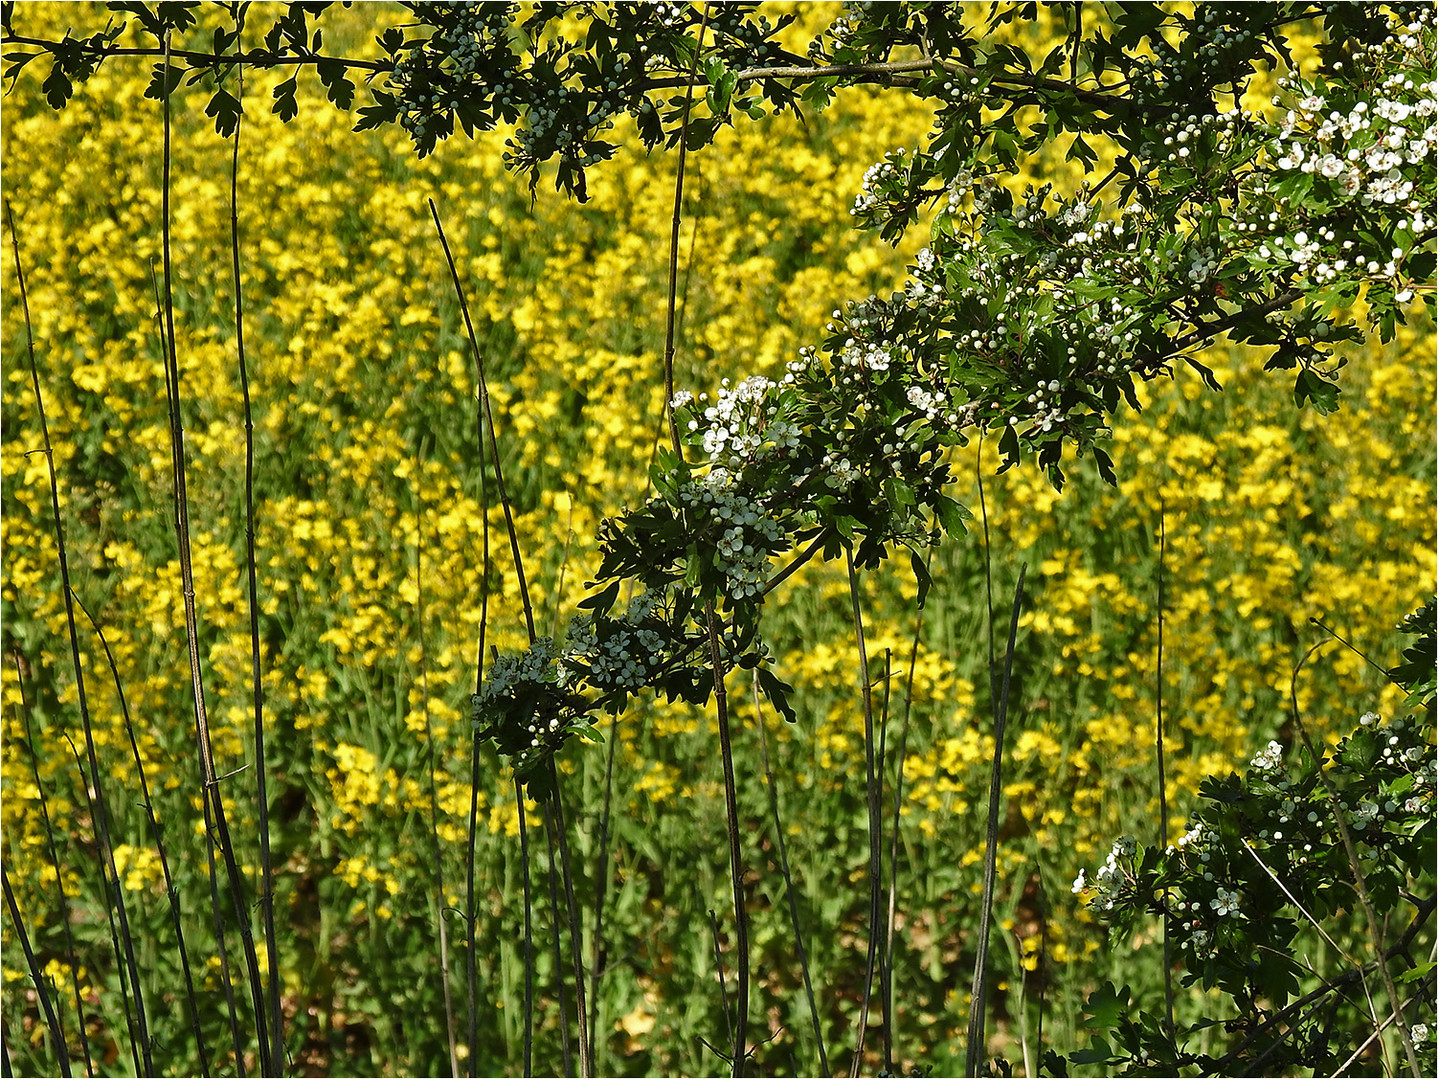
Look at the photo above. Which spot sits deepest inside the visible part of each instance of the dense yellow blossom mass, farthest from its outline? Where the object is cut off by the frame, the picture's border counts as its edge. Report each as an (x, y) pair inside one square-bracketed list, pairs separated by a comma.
[(369, 522)]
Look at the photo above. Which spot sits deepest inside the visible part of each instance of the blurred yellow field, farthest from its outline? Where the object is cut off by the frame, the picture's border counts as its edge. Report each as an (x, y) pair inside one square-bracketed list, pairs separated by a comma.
[(369, 523)]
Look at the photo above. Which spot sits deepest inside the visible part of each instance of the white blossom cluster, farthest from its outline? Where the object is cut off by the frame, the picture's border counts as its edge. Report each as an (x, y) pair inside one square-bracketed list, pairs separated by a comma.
[(1374, 151), (622, 658), (743, 424), (1110, 879), (1270, 758), (433, 77), (1402, 746), (514, 679), (1202, 262), (867, 351), (875, 177), (747, 535)]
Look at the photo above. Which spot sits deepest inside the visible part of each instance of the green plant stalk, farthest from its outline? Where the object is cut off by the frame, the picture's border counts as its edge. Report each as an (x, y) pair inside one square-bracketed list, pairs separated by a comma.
[(529, 933), (1163, 830), (1376, 935), (872, 797), (885, 995), (550, 880), (789, 890), (471, 961), (157, 835), (435, 859), (55, 864), (741, 1026), (490, 423), (575, 943), (719, 976), (123, 974), (125, 950), (217, 919), (974, 1044), (262, 800), (52, 1019), (602, 875), (669, 358), (572, 911), (182, 530), (886, 968)]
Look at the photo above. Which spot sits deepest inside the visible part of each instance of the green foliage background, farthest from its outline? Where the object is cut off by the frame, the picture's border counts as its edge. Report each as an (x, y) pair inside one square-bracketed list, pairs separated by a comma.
[(368, 553)]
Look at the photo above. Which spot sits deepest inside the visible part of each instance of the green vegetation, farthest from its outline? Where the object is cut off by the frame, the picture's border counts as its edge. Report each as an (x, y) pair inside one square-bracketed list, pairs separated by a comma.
[(372, 507)]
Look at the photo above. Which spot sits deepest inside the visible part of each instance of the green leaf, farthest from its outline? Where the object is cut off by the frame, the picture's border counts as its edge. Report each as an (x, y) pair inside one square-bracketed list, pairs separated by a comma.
[(921, 576), (57, 87), (603, 600), (1106, 467), (1318, 391), (777, 692), (952, 515), (284, 94)]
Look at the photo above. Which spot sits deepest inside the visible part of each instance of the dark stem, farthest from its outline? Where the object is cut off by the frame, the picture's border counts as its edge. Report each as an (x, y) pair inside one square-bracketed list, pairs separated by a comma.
[(52, 1019), (1425, 909), (572, 910), (158, 836), (125, 950), (872, 796), (436, 862), (719, 974), (262, 801), (974, 1047), (254, 58), (887, 964), (1376, 936), (55, 865), (123, 974), (675, 241), (550, 879), (736, 867), (471, 961), (885, 987), (182, 530), (217, 918), (789, 889), (602, 875), (529, 932), (490, 423), (1159, 762)]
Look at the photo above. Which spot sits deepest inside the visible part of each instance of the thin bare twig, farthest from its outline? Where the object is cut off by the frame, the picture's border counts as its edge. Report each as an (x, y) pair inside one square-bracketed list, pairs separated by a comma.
[(872, 795), (1163, 830), (1355, 866), (790, 895), (974, 1046), (262, 800), (125, 951), (205, 750)]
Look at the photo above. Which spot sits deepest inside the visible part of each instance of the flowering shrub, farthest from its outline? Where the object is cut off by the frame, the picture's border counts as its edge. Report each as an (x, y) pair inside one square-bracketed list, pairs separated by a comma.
[(1270, 856), (1015, 321)]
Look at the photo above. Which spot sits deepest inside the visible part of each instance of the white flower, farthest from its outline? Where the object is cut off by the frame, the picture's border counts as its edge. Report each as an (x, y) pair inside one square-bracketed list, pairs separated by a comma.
[(1225, 903), (1270, 758)]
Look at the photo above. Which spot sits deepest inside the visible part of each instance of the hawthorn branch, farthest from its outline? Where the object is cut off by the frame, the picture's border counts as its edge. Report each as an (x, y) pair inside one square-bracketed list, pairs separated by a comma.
[(1203, 331), (255, 57)]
